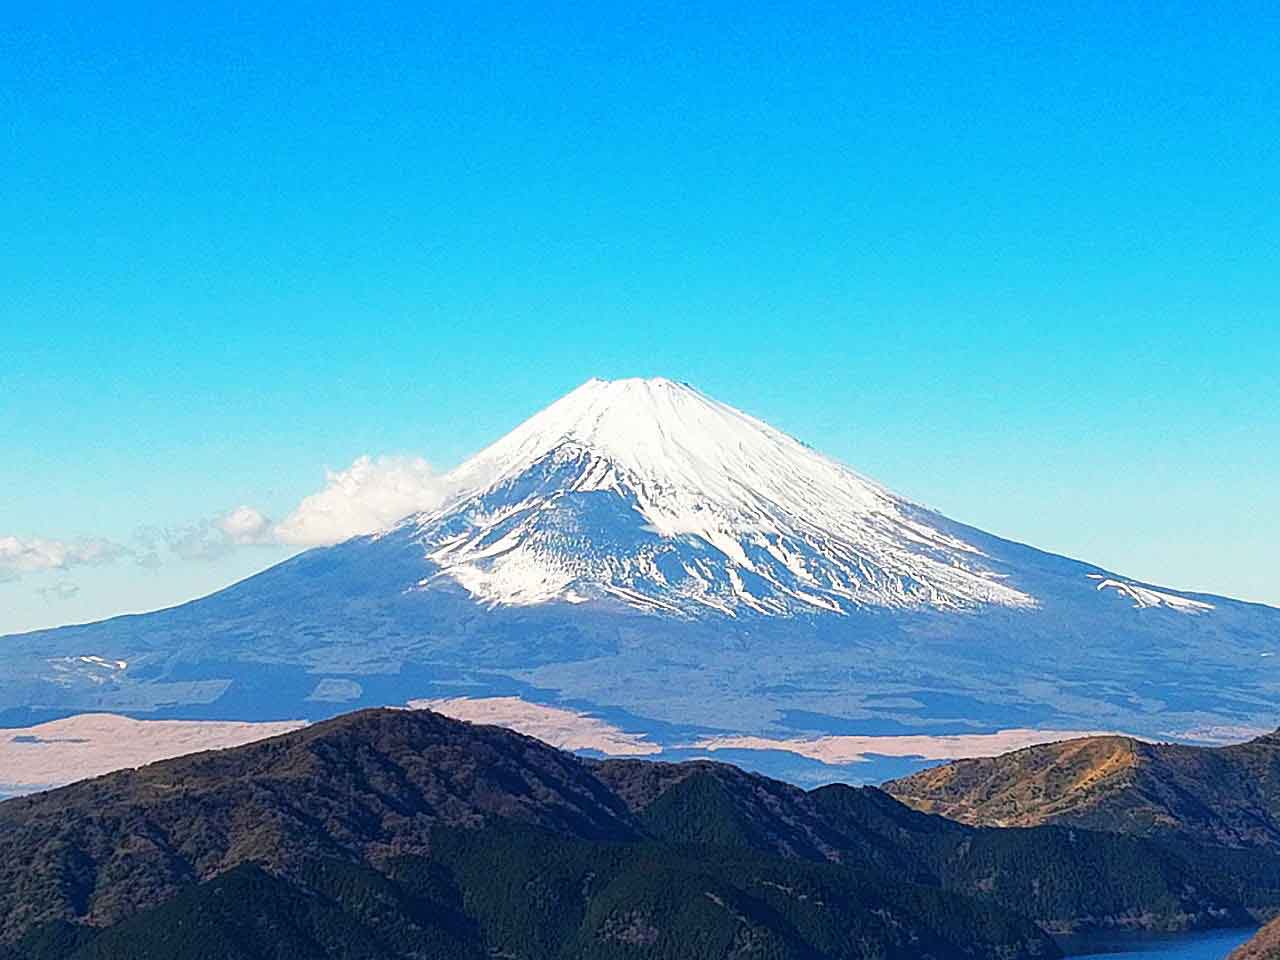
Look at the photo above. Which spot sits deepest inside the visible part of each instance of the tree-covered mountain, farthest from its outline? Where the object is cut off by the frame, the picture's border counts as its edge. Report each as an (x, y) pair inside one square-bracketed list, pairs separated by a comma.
[(1063, 878), (1226, 796), (394, 834)]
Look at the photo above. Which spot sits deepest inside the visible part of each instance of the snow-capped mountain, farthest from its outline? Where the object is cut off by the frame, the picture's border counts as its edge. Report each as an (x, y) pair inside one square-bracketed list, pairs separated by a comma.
[(659, 559), (651, 494)]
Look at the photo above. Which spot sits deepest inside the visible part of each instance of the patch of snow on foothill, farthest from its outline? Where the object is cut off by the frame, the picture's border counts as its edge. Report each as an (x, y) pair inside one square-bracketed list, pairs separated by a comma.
[(650, 494)]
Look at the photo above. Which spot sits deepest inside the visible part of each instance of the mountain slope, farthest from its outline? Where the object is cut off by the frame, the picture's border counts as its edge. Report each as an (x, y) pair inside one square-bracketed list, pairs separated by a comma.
[(653, 495), (1228, 796), (370, 784), (390, 834), (1265, 945), (529, 895), (1064, 879), (383, 833), (663, 560)]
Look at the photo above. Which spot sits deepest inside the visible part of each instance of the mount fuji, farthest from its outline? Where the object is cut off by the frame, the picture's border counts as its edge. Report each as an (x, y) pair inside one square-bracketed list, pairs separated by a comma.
[(648, 556), (647, 493)]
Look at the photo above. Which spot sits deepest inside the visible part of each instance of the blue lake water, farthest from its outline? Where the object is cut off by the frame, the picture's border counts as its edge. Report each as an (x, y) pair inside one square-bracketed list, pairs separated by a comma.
[(1214, 945)]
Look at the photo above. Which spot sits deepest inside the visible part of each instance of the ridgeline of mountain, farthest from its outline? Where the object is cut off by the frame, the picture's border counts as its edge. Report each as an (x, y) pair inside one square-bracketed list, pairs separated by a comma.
[(1064, 879), (1224, 796), (646, 552), (394, 834)]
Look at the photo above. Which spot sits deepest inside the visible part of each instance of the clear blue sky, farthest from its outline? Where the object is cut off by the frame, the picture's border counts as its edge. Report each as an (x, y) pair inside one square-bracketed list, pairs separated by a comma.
[(1020, 264)]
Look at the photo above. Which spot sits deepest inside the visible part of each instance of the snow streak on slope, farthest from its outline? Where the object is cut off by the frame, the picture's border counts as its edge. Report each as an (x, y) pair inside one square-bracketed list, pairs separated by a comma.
[(648, 493), (1144, 597)]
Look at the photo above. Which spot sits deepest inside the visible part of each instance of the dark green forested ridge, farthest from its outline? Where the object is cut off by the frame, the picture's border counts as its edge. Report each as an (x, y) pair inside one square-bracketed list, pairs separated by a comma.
[(390, 834)]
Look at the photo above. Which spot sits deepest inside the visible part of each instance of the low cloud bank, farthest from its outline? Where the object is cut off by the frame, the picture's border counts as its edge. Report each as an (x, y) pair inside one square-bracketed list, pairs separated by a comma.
[(91, 744), (369, 496), (841, 750), (37, 554), (245, 526), (558, 726)]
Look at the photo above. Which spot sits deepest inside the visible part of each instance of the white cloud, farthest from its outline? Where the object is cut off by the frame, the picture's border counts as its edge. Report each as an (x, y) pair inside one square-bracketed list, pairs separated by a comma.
[(35, 554), (245, 526), (197, 541), (62, 590), (213, 537), (370, 495)]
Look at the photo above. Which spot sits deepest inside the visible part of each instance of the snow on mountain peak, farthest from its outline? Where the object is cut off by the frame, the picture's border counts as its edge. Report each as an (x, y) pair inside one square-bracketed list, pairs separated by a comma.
[(653, 494), (667, 432)]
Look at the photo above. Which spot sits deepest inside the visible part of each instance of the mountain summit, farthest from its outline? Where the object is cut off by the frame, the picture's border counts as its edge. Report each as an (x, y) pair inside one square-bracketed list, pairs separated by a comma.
[(648, 493), (672, 566)]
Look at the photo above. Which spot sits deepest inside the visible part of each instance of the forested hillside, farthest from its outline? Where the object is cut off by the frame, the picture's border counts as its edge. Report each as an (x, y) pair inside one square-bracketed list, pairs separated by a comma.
[(397, 834)]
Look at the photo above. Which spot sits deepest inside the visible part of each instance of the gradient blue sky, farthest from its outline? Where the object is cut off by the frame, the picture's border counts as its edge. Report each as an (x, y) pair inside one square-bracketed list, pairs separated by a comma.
[(1020, 264)]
